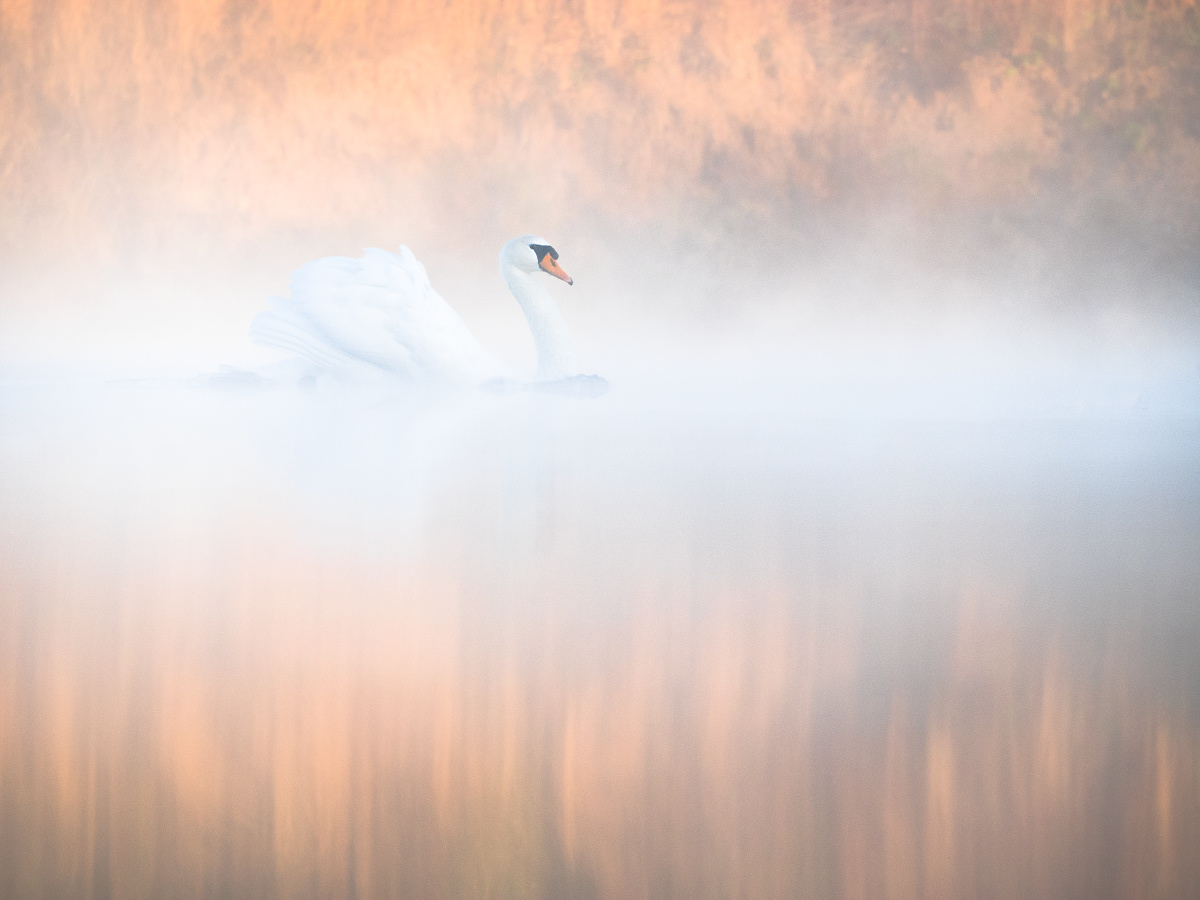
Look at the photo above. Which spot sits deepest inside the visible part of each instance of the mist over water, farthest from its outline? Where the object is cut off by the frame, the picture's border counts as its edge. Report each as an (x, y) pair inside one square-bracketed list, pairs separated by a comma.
[(876, 573), (340, 644)]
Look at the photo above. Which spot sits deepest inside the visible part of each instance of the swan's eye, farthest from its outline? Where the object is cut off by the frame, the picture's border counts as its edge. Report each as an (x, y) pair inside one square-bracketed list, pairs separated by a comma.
[(541, 250)]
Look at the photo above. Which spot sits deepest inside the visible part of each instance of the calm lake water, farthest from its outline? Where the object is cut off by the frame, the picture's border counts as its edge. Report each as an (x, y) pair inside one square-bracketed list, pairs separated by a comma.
[(664, 644)]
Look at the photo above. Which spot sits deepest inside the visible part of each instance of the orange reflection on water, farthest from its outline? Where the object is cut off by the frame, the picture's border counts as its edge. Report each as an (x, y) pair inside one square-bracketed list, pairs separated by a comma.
[(203, 692)]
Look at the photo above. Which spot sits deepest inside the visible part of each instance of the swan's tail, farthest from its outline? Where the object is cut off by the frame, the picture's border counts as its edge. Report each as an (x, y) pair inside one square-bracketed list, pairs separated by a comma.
[(285, 329)]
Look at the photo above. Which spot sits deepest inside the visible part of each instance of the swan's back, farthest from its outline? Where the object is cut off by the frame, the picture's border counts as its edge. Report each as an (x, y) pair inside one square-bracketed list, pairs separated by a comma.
[(380, 310)]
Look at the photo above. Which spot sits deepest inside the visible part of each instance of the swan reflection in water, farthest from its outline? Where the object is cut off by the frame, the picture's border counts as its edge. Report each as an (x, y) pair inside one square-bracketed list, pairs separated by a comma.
[(381, 312)]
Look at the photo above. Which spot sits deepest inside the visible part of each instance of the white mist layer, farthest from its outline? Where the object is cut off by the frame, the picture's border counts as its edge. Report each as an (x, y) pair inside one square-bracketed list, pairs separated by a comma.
[(884, 338)]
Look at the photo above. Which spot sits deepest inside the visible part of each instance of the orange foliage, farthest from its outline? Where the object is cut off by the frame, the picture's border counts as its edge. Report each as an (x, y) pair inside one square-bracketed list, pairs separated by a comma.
[(272, 114)]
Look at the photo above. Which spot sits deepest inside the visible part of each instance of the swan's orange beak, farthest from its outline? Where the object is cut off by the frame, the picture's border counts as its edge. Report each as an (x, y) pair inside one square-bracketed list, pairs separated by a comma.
[(550, 264)]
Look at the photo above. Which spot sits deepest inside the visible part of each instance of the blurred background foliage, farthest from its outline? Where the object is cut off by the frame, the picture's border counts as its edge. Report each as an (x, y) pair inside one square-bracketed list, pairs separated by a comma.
[(271, 114), (247, 132)]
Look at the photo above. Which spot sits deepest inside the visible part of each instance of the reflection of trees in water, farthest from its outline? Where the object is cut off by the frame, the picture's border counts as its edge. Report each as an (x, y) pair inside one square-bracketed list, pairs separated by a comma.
[(275, 646), (247, 722)]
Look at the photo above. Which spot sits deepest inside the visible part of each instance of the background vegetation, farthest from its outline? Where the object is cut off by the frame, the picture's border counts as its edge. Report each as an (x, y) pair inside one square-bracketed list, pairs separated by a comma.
[(205, 135)]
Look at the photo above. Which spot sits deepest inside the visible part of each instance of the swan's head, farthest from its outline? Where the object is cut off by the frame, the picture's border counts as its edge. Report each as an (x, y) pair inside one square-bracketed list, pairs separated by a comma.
[(531, 254)]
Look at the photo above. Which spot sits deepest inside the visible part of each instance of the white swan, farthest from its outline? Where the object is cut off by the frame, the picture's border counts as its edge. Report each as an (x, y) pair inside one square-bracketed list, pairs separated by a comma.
[(382, 311)]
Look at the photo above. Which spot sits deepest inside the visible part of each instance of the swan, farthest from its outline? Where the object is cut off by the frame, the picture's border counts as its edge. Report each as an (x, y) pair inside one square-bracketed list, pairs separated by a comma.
[(381, 310)]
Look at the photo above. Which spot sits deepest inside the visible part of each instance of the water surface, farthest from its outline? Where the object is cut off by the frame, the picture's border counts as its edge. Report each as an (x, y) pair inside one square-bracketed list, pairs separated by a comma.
[(670, 643)]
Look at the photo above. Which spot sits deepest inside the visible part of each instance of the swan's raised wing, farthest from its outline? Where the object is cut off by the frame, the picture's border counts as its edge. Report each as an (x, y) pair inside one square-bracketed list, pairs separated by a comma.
[(379, 309)]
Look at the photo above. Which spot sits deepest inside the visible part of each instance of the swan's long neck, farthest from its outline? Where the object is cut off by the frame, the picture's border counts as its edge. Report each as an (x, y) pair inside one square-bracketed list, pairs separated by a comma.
[(556, 357)]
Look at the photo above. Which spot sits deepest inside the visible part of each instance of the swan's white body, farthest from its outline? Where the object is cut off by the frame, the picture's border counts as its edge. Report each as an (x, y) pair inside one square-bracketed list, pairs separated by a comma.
[(381, 311)]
